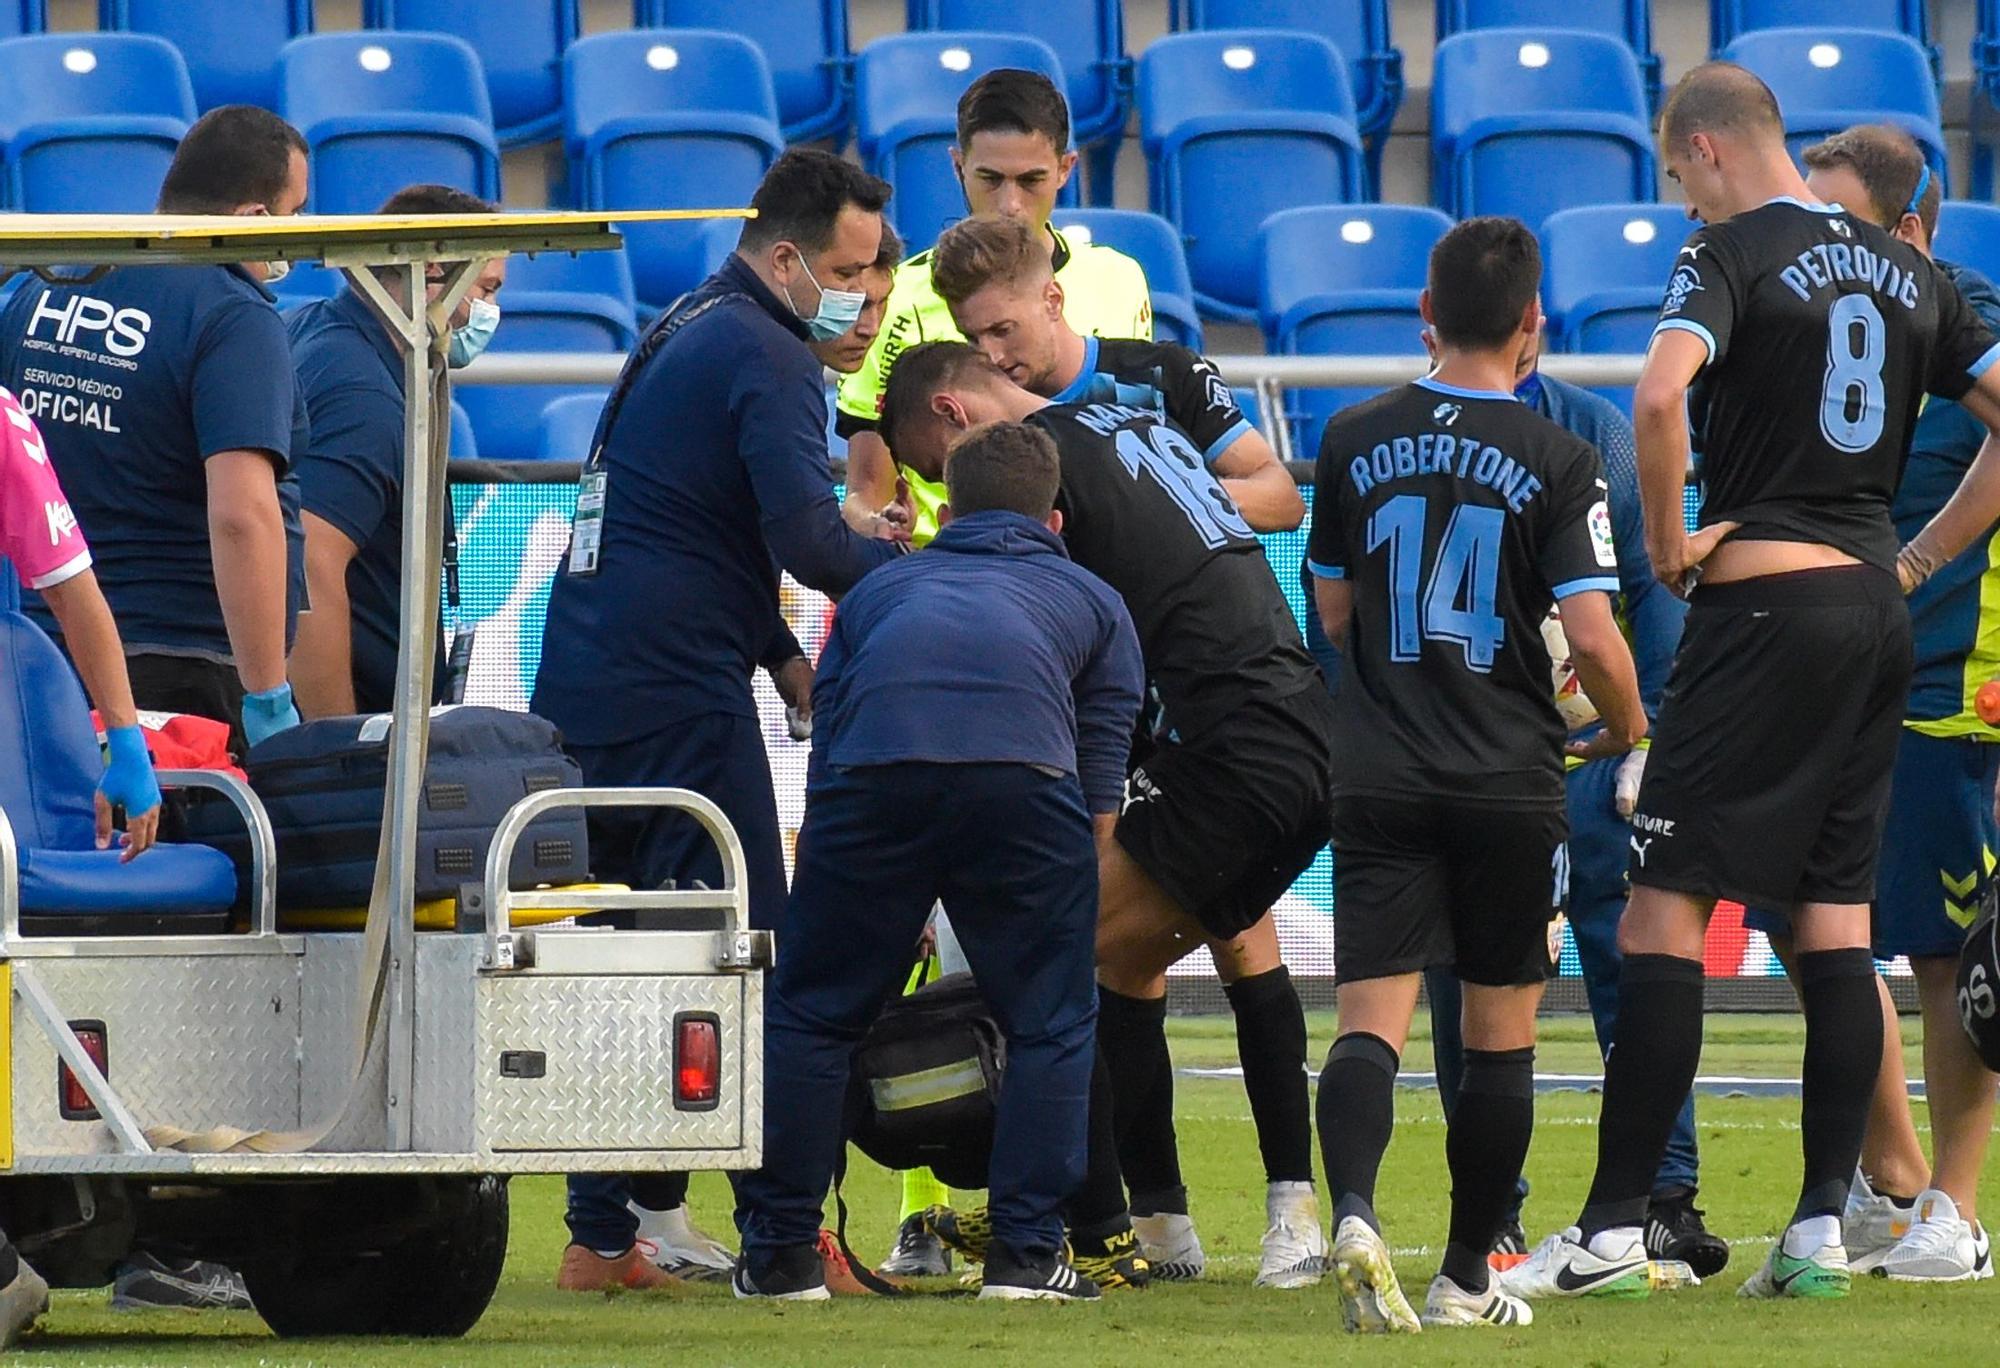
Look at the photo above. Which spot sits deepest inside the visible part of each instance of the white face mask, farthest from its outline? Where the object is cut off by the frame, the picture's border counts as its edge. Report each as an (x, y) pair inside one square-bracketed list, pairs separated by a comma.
[(480, 325), (275, 271)]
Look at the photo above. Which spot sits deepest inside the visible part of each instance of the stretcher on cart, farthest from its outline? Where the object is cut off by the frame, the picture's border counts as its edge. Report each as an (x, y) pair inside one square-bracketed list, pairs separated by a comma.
[(335, 1113)]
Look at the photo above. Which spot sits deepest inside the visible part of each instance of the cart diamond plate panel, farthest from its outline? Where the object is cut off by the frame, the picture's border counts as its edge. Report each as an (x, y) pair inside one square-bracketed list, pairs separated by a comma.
[(608, 1048), (194, 1042)]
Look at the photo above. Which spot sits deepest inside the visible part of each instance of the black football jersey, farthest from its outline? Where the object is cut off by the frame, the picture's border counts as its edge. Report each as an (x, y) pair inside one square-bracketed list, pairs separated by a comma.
[(1459, 517), (1166, 379), (1823, 335), (1142, 511)]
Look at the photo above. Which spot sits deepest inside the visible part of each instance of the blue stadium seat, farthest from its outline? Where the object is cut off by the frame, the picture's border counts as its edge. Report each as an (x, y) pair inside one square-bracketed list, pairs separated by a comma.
[(1238, 124), (23, 16), (1359, 28), (1087, 37), (89, 121), (718, 240), (668, 119), (906, 91), (569, 423), (1828, 79), (1969, 234), (49, 767), (1630, 20), (1343, 280), (384, 110), (1529, 121), (1155, 244), (1727, 19), (1604, 273), (804, 42), (520, 49), (231, 50), (552, 303), (464, 442)]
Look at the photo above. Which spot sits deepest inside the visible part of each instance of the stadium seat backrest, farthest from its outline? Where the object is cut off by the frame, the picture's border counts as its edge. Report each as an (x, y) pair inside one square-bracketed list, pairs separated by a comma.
[(49, 759), (1156, 245), (1087, 36), (22, 16), (1969, 234), (89, 121), (1604, 273), (464, 443), (1237, 125), (605, 276), (568, 424), (1529, 121), (906, 90), (804, 42), (1827, 79), (1627, 20), (520, 47), (1730, 18), (1358, 28), (507, 418), (231, 50), (681, 118), (382, 110), (1330, 259)]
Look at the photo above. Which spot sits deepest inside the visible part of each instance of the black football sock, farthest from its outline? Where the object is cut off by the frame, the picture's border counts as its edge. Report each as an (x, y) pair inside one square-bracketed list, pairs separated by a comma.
[(1485, 1145), (660, 1191), (1271, 1043), (1656, 1047), (1843, 1052), (1357, 1111), (1132, 1041), (1099, 1202)]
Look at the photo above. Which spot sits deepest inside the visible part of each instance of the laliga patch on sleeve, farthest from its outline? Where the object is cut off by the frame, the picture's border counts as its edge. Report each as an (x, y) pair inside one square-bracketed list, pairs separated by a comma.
[(1600, 535)]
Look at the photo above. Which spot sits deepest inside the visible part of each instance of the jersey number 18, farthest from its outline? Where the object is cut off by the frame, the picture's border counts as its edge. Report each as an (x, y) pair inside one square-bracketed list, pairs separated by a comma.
[(1466, 572)]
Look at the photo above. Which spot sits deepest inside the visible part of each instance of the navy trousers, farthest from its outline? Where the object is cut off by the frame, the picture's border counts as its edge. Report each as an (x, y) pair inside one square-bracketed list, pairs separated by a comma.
[(720, 756), (1597, 890), (1009, 850)]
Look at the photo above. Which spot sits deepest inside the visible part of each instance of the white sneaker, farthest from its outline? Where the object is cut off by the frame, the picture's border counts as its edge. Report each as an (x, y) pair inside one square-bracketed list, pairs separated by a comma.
[(1371, 1302), (1169, 1243), (1449, 1304), (674, 1244), (1942, 1246), (1564, 1266), (1808, 1260), (22, 1302), (1294, 1246), (1872, 1224)]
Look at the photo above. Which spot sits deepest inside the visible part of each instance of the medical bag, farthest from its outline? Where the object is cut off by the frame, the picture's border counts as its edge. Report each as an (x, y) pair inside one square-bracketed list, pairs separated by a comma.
[(323, 783), (926, 1082)]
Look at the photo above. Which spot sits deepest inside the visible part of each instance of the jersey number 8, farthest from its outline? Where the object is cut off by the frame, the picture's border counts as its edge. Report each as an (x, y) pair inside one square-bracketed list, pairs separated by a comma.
[(1467, 568), (1853, 379)]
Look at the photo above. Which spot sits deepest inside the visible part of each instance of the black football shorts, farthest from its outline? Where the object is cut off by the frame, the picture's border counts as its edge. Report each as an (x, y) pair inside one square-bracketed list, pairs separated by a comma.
[(1226, 821), (1429, 882), (1768, 781)]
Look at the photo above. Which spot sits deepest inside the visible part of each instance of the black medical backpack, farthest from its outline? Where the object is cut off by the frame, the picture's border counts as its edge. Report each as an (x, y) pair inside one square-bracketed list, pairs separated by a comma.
[(925, 1082)]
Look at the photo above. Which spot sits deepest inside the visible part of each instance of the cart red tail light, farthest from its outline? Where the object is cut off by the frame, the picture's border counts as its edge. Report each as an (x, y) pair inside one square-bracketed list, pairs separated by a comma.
[(697, 1061), (73, 1102)]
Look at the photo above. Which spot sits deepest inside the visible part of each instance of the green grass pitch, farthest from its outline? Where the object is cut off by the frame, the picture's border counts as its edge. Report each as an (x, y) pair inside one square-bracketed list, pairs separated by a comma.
[(1750, 1156)]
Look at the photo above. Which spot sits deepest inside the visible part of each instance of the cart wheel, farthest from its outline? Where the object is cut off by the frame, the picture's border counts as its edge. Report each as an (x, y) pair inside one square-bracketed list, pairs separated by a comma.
[(434, 1284)]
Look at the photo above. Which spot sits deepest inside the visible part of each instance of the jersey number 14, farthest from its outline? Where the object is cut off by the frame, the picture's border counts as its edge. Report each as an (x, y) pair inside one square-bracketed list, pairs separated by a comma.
[(1458, 602)]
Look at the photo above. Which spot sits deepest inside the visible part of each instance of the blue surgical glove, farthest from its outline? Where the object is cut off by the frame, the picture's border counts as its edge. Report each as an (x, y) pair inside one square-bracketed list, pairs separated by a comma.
[(268, 713), (128, 780)]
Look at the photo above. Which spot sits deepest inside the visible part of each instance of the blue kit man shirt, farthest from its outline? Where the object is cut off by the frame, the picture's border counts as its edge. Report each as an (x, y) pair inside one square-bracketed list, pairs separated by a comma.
[(974, 710), (707, 478)]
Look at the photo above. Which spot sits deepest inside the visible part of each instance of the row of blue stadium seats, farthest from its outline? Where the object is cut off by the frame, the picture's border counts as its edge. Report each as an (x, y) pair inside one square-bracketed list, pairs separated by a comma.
[(1335, 281), (232, 45), (1236, 124)]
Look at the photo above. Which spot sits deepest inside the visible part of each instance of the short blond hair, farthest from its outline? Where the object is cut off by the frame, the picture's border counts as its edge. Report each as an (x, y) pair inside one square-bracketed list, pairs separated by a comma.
[(974, 253)]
